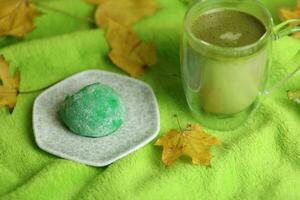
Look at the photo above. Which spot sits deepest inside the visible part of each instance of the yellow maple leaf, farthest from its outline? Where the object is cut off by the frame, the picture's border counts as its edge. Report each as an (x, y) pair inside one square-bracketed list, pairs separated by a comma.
[(129, 52), (294, 96), (125, 12), (10, 85), (192, 142), (16, 17), (291, 13)]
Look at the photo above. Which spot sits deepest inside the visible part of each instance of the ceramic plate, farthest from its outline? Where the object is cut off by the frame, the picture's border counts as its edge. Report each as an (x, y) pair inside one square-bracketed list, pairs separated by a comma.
[(140, 126)]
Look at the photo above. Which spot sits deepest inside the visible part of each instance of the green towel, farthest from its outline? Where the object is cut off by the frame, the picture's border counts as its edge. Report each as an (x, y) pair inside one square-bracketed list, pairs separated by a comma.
[(259, 160)]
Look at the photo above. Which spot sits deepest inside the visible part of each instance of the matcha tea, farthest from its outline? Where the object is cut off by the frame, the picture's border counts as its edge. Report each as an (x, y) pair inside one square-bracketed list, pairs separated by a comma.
[(223, 84), (228, 28)]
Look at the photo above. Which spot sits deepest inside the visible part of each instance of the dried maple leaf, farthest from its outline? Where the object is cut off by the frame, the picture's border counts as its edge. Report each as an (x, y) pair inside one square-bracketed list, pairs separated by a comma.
[(10, 85), (291, 13), (16, 17), (129, 52), (193, 142), (125, 12), (294, 96)]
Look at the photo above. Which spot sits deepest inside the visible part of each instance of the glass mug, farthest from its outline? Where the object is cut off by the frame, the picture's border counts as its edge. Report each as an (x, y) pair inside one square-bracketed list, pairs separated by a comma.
[(224, 85)]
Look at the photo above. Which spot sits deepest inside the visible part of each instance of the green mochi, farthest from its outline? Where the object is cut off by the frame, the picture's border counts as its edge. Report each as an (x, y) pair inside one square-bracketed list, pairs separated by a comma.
[(94, 111)]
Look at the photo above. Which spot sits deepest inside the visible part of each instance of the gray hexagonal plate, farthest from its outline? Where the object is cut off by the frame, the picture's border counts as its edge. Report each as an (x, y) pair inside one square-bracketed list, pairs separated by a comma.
[(141, 123)]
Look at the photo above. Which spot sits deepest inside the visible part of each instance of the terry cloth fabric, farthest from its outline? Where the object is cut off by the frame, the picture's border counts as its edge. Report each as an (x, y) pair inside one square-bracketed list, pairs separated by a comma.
[(259, 160)]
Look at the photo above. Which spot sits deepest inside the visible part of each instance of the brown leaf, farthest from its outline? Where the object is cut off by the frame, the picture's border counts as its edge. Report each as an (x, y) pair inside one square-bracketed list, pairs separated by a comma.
[(128, 51), (125, 12), (291, 13), (193, 142), (10, 85), (16, 17), (95, 1), (294, 96)]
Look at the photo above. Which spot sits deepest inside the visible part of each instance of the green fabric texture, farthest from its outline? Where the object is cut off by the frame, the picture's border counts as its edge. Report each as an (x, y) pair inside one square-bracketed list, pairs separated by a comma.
[(259, 160)]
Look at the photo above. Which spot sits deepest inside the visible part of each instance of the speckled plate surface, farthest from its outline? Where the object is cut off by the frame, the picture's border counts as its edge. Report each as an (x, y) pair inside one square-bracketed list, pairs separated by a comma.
[(141, 123)]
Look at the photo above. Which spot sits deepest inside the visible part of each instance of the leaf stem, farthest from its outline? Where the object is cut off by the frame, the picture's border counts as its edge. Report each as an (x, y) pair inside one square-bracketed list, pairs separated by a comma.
[(178, 122), (43, 5), (37, 90)]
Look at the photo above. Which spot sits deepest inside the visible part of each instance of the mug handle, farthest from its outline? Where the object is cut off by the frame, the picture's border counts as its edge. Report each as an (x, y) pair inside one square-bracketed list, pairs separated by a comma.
[(279, 31)]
